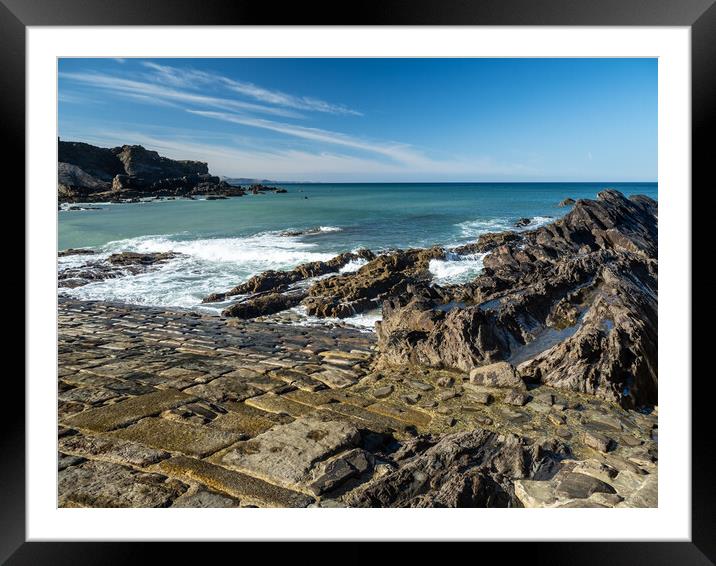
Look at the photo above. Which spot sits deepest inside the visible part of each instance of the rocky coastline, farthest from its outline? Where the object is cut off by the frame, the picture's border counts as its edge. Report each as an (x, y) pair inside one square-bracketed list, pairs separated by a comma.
[(534, 385), (129, 173)]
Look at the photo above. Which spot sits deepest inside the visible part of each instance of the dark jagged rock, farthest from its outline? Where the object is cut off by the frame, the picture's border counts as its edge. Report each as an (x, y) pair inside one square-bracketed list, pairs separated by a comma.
[(487, 242), (116, 265), (264, 304), (276, 281), (98, 162), (75, 251), (133, 258), (388, 274), (522, 222), (258, 189), (149, 165), (567, 202), (73, 181), (476, 468), (296, 233), (572, 304)]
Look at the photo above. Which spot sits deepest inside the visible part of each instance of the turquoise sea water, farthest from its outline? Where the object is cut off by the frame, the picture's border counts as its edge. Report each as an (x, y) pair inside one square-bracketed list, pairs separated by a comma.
[(226, 241)]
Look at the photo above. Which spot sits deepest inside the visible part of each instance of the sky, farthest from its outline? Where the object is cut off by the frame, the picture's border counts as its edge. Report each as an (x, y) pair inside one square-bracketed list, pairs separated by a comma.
[(374, 120)]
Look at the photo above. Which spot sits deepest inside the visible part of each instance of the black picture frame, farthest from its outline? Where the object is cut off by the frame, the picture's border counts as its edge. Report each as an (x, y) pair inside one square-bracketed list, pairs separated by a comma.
[(699, 15)]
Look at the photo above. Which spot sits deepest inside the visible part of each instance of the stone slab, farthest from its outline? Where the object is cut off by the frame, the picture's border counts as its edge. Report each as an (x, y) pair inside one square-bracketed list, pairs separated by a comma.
[(286, 453), (248, 489), (103, 484), (111, 449), (176, 436), (126, 412), (278, 404)]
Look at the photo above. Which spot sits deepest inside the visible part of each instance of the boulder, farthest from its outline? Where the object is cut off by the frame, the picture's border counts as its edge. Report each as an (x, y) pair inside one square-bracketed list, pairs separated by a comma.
[(499, 374), (566, 202)]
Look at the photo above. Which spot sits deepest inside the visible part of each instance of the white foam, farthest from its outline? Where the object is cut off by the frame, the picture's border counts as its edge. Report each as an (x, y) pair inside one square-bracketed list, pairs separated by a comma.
[(456, 268), (538, 221), (205, 266), (363, 321), (353, 265), (472, 229)]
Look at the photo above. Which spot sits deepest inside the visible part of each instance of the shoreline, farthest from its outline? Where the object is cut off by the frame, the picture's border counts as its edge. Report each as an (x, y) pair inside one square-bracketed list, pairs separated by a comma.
[(174, 402), (533, 385)]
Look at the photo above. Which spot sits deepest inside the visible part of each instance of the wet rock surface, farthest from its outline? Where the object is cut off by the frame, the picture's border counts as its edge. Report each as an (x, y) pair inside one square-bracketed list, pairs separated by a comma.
[(160, 408), (116, 265), (278, 281)]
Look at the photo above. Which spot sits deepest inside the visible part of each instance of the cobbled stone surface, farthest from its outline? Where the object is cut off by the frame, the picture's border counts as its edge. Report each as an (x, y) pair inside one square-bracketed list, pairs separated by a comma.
[(159, 408)]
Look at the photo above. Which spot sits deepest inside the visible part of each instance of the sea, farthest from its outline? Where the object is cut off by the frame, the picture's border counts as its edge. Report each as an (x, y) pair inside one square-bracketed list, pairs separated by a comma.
[(224, 242)]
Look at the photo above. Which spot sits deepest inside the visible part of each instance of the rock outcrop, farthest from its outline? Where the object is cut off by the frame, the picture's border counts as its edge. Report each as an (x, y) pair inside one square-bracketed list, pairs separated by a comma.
[(476, 468), (74, 181), (277, 281), (111, 267), (87, 173), (388, 274), (572, 304), (150, 166)]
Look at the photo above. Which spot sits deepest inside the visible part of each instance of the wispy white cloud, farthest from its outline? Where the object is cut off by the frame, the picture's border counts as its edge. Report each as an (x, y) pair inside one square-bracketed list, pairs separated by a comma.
[(152, 91), (403, 155), (76, 98), (230, 159), (298, 152), (392, 150), (192, 78), (288, 100)]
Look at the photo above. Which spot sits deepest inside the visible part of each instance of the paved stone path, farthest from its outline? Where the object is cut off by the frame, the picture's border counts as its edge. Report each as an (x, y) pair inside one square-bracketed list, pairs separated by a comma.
[(160, 409)]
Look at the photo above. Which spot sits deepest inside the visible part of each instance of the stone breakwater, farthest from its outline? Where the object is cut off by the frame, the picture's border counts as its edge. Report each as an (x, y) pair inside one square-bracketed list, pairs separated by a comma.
[(172, 409)]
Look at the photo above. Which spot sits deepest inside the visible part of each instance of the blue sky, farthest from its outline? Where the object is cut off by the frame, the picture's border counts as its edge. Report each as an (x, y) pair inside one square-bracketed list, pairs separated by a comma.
[(372, 120)]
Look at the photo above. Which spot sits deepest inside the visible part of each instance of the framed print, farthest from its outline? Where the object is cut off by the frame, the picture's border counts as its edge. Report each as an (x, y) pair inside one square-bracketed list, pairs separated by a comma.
[(387, 279)]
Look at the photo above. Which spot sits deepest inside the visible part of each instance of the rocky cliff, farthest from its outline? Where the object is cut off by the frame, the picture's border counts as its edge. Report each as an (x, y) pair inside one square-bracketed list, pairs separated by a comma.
[(90, 173)]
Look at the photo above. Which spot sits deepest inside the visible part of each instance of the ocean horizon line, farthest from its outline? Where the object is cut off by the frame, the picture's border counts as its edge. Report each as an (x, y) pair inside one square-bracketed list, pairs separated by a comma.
[(453, 182)]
